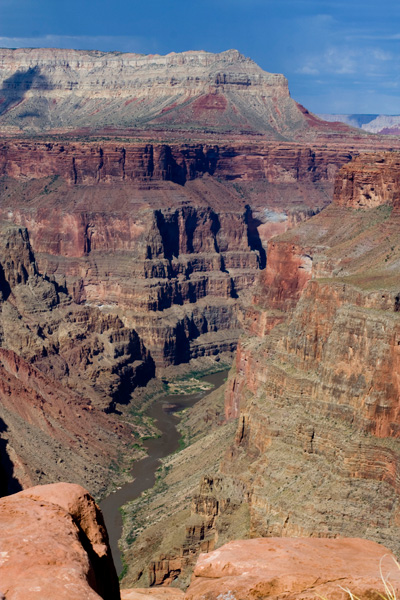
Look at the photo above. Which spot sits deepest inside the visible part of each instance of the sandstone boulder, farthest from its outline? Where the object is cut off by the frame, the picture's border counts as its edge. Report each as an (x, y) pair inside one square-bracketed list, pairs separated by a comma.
[(53, 545), (295, 568)]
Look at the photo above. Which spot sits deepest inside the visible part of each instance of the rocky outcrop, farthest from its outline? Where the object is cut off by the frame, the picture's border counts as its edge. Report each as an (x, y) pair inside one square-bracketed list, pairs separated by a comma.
[(369, 182), (300, 568), (54, 545)]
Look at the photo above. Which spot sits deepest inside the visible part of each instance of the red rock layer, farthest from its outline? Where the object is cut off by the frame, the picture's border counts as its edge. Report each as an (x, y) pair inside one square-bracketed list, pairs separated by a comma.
[(54, 545), (369, 182), (271, 568), (88, 163)]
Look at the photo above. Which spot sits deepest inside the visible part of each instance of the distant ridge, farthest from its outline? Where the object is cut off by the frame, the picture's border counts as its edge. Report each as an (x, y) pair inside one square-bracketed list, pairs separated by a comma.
[(383, 124), (43, 90)]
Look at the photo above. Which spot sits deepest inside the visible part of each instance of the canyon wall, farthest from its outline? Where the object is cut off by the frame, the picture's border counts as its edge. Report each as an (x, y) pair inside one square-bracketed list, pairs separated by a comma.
[(112, 161), (166, 236), (315, 388), (120, 260), (106, 279), (63, 368)]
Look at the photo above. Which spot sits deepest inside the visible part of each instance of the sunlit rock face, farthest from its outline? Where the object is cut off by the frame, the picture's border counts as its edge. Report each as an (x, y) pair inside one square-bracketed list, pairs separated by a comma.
[(303, 568), (54, 545), (60, 89), (315, 387)]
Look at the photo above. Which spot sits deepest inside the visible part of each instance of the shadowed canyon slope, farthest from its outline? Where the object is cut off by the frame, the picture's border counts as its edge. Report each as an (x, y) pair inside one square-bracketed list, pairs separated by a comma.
[(57, 90), (63, 367)]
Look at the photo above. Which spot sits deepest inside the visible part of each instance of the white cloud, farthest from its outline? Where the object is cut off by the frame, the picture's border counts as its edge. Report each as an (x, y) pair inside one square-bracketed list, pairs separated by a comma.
[(307, 70), (380, 54), (367, 36), (337, 60)]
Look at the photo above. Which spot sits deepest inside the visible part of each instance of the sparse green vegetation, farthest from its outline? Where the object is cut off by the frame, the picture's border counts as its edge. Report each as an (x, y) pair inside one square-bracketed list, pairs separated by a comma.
[(46, 190)]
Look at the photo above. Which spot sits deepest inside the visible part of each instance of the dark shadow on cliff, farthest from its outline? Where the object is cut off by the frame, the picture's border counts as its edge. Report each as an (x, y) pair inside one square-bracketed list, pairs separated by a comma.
[(102, 577), (194, 162), (14, 89), (254, 238), (5, 289), (8, 483)]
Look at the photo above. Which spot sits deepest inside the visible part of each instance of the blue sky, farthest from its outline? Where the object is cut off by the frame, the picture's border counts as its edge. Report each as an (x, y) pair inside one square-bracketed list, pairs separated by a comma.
[(338, 56)]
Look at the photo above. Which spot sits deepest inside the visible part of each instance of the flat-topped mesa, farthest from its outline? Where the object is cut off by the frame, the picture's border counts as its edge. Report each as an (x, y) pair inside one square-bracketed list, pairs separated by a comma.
[(79, 70), (42, 90), (369, 181)]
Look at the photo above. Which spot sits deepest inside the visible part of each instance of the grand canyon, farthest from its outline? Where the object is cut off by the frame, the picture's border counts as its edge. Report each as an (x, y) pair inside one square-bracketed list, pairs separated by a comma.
[(169, 217)]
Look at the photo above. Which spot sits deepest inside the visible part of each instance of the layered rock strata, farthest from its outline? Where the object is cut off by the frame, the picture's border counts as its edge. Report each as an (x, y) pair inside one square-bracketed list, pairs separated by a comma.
[(316, 387), (172, 235), (63, 368), (88, 163), (62, 89)]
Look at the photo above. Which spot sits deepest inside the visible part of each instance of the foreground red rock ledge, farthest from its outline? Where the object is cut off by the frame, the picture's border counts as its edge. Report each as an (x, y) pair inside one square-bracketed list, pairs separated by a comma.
[(295, 568), (53, 545), (152, 594)]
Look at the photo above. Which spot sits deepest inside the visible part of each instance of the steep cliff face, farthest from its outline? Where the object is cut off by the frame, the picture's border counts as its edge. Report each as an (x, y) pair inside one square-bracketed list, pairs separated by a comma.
[(316, 387), (63, 367), (108, 161), (58, 89), (172, 235)]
